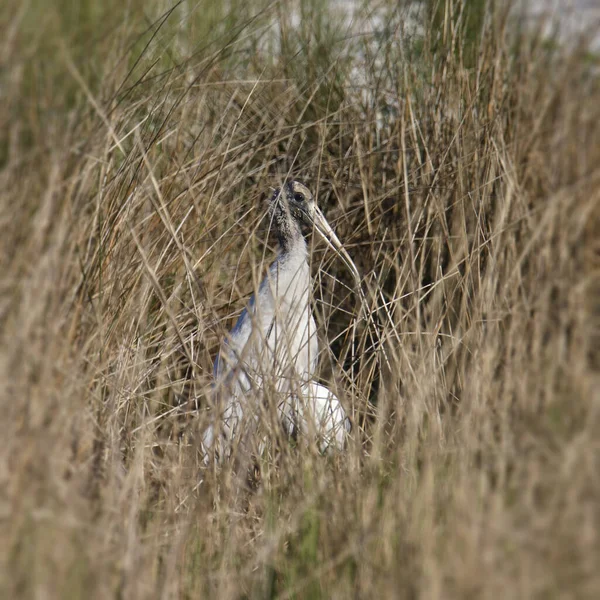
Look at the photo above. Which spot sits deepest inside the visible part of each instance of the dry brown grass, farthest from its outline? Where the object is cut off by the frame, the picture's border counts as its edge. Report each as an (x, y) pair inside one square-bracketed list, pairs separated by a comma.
[(463, 177)]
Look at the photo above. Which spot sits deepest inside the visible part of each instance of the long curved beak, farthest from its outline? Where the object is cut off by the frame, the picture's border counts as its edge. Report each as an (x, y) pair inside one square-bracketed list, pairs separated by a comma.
[(322, 226)]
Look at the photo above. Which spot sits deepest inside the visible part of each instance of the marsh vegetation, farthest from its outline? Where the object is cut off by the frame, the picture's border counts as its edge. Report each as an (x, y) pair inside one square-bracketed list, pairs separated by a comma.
[(457, 156)]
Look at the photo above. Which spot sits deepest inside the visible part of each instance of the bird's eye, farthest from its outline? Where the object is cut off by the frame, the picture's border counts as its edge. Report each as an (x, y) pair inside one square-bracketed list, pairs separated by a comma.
[(298, 197)]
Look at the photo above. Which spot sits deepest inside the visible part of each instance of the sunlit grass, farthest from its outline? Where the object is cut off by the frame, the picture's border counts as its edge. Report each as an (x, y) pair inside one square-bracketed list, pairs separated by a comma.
[(456, 157)]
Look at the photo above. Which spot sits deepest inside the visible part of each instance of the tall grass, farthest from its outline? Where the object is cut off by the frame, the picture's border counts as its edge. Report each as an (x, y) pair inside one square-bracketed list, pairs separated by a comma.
[(459, 163)]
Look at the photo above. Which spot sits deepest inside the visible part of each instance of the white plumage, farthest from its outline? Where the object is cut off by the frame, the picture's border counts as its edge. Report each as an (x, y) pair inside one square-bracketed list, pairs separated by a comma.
[(317, 415)]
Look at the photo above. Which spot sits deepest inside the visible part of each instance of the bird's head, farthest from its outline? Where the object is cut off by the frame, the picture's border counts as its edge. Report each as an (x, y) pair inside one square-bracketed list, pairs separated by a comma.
[(300, 201), (295, 202)]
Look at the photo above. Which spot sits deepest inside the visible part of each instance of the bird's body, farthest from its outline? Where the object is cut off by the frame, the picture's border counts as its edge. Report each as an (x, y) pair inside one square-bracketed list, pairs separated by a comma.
[(275, 338), (318, 416), (278, 329), (274, 343)]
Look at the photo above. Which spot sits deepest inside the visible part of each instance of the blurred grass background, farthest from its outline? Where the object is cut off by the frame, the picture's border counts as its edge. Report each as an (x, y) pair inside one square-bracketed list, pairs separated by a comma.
[(454, 150)]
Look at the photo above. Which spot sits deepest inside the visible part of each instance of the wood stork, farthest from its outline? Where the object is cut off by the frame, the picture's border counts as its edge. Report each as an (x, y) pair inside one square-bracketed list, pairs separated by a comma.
[(274, 342)]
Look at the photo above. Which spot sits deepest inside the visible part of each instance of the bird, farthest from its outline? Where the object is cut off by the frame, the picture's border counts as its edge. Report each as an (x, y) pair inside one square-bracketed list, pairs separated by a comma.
[(274, 343)]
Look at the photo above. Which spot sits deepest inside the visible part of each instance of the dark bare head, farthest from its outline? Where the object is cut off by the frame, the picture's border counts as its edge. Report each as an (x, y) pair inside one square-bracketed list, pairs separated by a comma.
[(294, 207)]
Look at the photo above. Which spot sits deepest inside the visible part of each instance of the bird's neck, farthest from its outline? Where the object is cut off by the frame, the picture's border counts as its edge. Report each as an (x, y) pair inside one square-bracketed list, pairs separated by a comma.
[(288, 231), (290, 271), (292, 244)]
